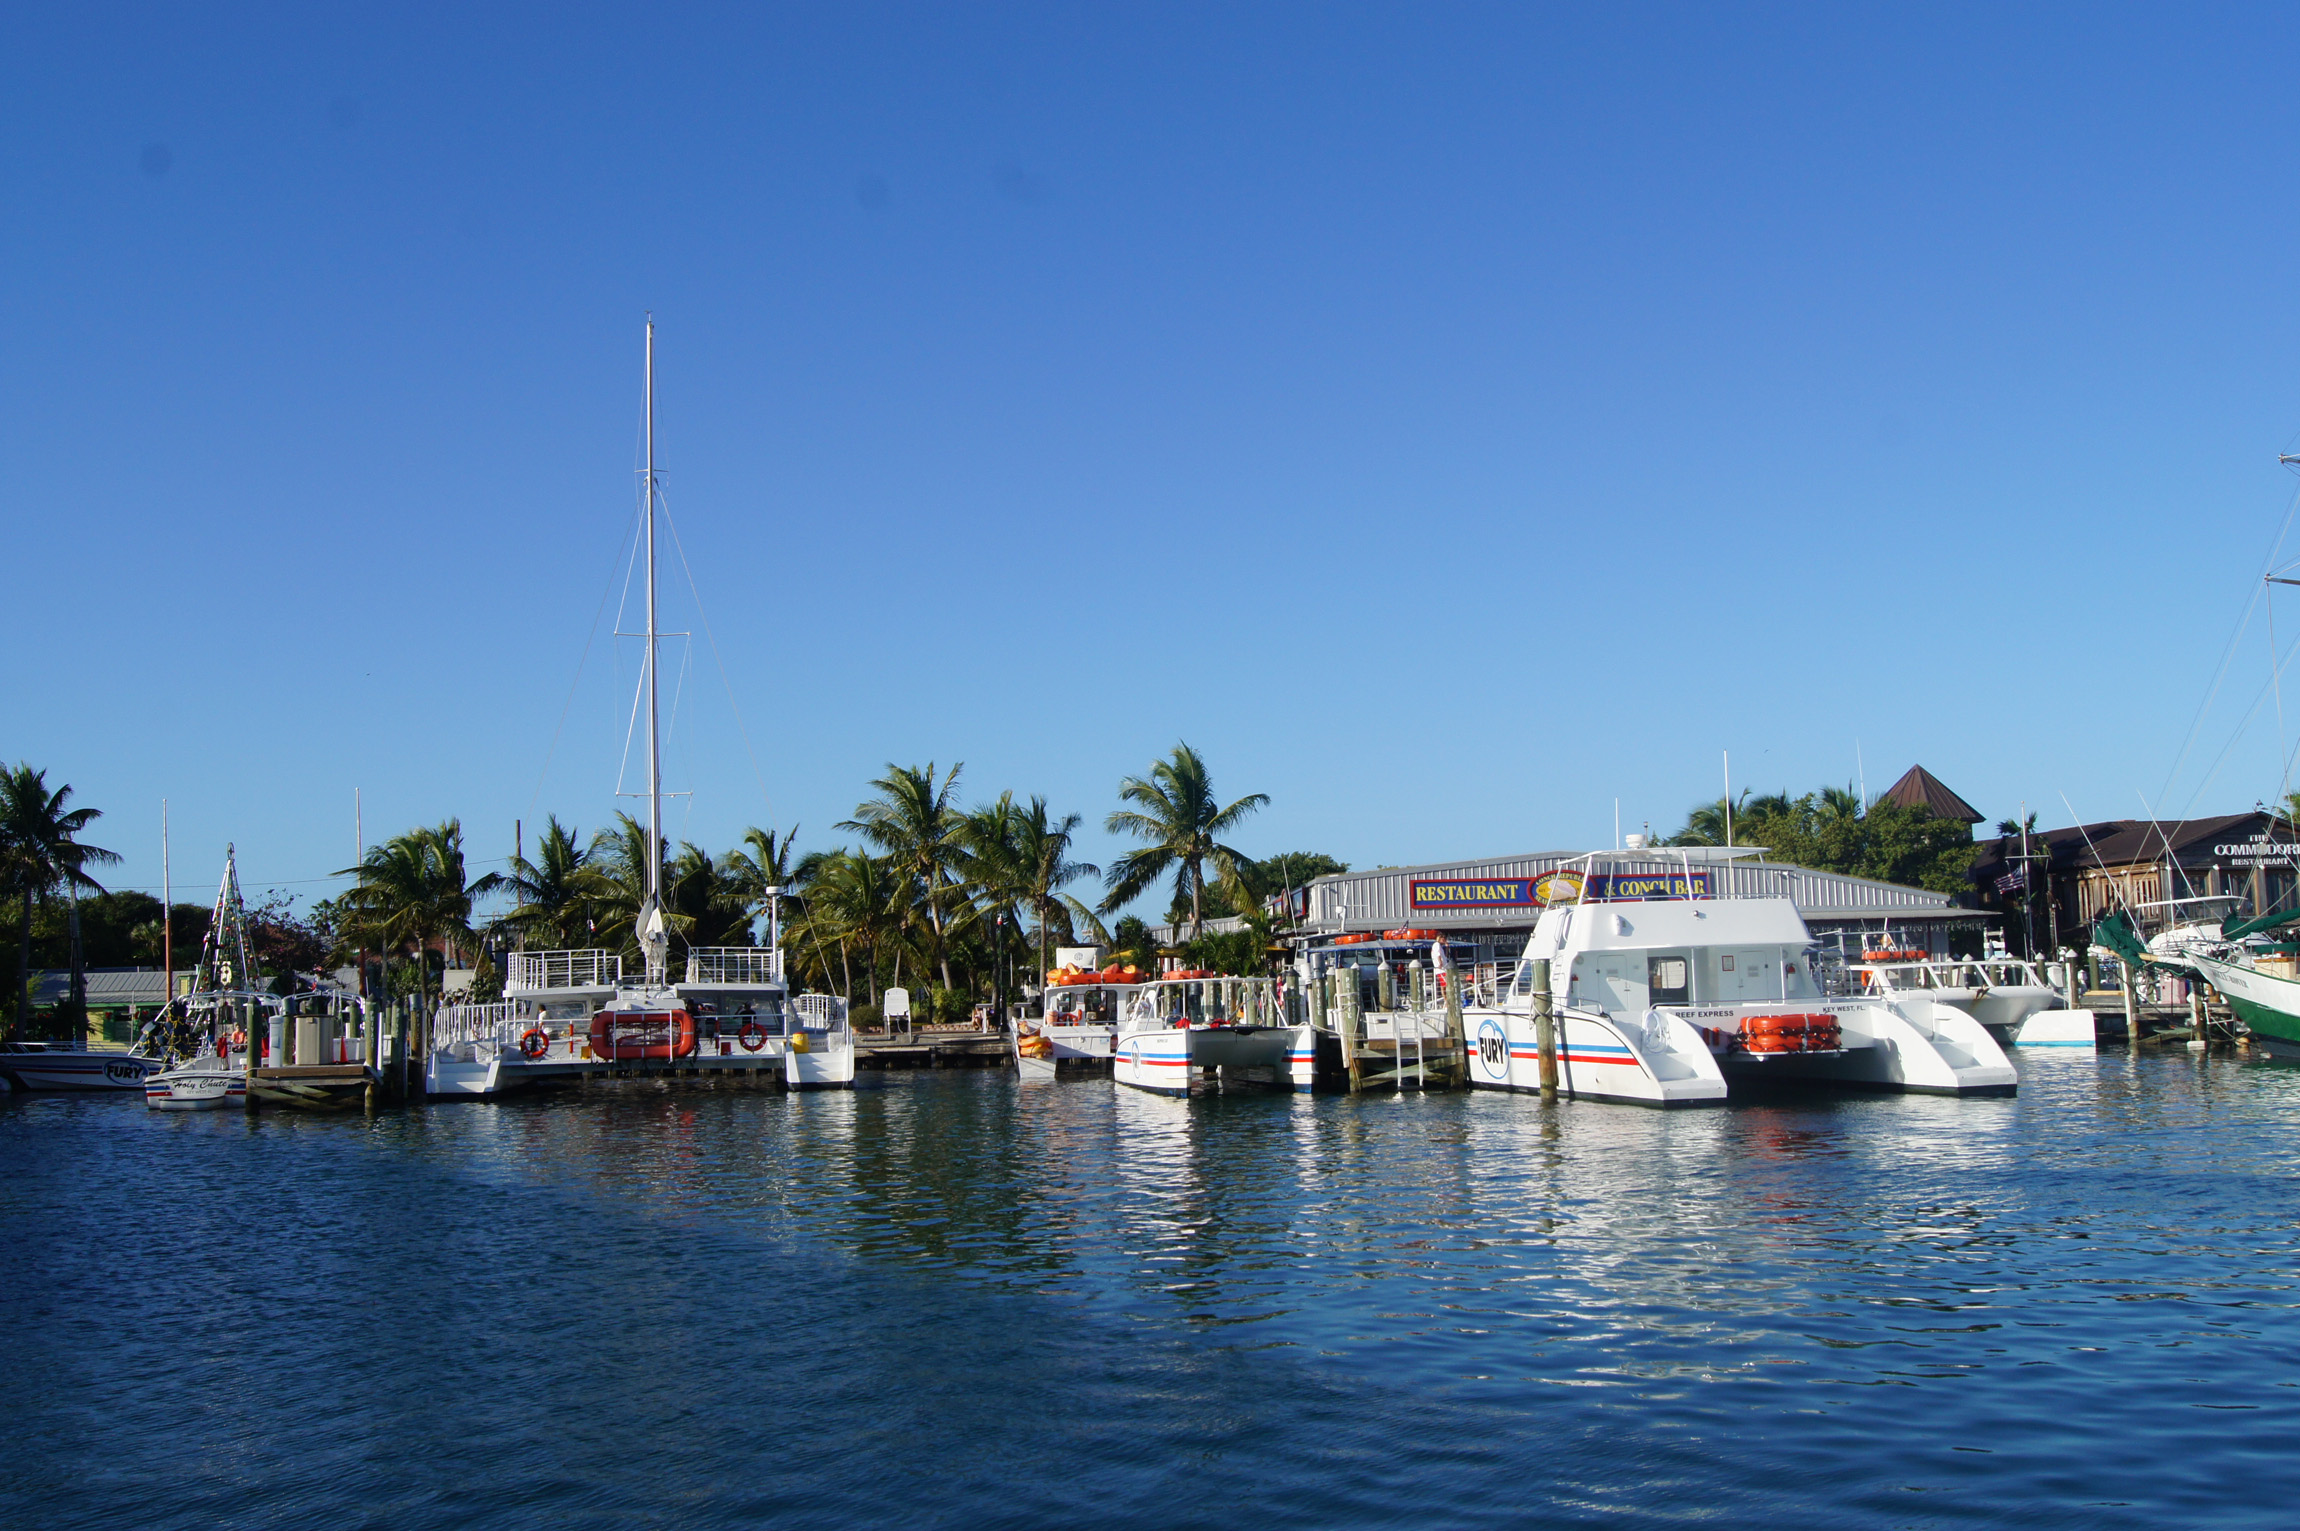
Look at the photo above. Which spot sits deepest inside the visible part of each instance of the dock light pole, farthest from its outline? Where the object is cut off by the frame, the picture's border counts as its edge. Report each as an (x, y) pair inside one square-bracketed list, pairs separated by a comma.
[(1545, 1028)]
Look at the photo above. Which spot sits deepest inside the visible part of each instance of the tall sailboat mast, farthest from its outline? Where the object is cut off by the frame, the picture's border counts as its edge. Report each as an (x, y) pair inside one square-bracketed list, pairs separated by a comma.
[(652, 938)]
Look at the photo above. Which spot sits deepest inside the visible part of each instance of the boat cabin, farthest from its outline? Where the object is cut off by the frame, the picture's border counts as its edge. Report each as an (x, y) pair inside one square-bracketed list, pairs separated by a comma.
[(1625, 957)]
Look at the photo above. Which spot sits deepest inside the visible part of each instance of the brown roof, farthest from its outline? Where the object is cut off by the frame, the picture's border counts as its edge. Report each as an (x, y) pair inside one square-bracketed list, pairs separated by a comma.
[(2129, 842), (1922, 789)]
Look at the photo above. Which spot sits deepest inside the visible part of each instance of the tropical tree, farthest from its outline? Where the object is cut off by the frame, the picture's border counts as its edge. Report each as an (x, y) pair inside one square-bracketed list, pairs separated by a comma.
[(761, 862), (1177, 819), (916, 822), (697, 905), (556, 896), (412, 891), (858, 904), (40, 851), (1019, 857), (620, 857)]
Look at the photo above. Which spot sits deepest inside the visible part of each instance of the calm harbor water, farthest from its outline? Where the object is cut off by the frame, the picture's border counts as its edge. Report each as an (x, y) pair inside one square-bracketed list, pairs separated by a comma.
[(956, 1300)]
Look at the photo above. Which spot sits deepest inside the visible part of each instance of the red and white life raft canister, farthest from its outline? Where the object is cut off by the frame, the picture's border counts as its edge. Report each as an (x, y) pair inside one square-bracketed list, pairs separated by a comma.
[(1791, 1034)]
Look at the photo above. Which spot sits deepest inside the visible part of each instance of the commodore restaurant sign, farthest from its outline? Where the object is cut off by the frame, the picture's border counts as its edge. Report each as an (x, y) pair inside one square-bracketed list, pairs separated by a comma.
[(2259, 851), (1436, 894)]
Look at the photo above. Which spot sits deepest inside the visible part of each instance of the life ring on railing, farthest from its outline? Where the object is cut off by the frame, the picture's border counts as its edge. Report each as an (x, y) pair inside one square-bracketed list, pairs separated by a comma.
[(753, 1036), (535, 1043)]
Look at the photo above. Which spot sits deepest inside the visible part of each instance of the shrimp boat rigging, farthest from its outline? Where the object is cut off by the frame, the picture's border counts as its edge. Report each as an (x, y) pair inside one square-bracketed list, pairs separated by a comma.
[(572, 1014), (200, 1043)]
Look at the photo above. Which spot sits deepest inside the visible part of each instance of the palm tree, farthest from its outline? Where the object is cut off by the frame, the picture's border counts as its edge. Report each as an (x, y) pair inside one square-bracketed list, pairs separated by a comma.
[(412, 891), (1020, 856), (40, 850), (859, 903), (620, 855), (915, 821), (1177, 821), (761, 862), (697, 904), (557, 894)]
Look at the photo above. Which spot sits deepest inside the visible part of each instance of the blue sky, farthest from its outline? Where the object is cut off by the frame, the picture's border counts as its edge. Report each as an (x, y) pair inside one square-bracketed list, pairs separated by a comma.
[(1448, 419)]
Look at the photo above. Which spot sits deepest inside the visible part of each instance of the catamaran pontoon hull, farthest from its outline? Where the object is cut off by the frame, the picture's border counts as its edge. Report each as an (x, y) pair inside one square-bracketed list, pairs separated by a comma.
[(1913, 1046), (1165, 1060), (1663, 1063)]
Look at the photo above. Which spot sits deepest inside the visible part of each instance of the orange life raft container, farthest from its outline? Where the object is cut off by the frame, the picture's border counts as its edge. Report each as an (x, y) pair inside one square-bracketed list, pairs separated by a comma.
[(622, 1035)]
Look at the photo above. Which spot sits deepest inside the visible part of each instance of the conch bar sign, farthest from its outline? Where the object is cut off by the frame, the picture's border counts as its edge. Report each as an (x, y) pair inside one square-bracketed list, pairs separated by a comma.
[(1551, 888)]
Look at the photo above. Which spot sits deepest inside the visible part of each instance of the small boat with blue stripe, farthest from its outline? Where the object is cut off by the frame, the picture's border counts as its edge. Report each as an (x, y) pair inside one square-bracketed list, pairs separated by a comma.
[(1203, 1029)]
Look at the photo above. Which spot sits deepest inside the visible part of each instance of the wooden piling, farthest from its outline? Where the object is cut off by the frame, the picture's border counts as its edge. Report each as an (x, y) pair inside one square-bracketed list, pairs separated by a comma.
[(1545, 1028), (2131, 1005)]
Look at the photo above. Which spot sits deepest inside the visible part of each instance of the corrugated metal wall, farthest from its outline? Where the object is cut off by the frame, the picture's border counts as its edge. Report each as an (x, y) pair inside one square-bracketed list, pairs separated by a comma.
[(1380, 900)]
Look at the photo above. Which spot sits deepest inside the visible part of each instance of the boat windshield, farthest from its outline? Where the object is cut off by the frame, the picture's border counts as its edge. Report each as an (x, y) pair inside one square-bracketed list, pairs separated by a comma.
[(1082, 1005)]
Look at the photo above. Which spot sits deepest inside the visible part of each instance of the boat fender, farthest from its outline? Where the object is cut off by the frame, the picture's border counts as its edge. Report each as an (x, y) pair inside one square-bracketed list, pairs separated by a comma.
[(754, 1036), (535, 1043)]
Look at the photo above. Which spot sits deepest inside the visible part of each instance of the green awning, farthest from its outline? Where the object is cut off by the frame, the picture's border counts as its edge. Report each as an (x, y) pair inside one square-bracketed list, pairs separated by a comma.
[(2115, 932)]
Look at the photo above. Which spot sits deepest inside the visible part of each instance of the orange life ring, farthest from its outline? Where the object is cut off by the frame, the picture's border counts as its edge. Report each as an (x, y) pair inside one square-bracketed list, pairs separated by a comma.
[(535, 1043), (753, 1036), (1409, 935)]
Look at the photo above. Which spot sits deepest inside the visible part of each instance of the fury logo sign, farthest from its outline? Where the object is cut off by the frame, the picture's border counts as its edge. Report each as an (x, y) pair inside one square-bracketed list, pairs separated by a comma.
[(1493, 1048)]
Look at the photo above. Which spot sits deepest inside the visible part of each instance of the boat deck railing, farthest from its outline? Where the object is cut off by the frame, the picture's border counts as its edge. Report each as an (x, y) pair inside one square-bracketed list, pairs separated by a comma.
[(565, 970), (734, 965)]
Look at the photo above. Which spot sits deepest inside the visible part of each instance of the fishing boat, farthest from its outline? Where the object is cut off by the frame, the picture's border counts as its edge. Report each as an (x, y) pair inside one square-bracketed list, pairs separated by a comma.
[(202, 1082), (572, 1014), (2005, 994), (204, 1041), (1194, 1027), (1684, 998), (72, 1066)]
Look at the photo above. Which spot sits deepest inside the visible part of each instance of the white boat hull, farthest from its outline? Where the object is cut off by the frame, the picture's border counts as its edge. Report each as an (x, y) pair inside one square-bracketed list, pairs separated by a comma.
[(2058, 1028), (825, 1064), (1916, 1046), (72, 1070), (1663, 1063), (1163, 1061), (196, 1089)]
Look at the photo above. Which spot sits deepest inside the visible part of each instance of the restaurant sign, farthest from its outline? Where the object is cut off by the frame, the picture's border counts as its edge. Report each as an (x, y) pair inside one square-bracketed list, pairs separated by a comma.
[(1474, 893), (1559, 887), (1621, 885), (2259, 851)]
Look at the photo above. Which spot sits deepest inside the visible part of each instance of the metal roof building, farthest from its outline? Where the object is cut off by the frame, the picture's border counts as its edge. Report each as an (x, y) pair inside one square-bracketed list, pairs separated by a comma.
[(1496, 901)]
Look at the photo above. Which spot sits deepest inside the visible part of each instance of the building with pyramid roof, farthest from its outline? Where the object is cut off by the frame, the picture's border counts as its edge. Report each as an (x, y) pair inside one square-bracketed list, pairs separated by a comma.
[(1922, 789)]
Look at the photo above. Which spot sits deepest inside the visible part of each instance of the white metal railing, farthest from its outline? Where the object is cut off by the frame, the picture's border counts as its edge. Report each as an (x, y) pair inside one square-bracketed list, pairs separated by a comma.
[(566, 970), (453, 1025), (734, 964), (820, 1012)]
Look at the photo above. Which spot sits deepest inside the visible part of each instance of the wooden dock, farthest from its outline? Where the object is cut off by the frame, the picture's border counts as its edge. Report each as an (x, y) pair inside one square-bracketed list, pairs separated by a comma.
[(933, 1047)]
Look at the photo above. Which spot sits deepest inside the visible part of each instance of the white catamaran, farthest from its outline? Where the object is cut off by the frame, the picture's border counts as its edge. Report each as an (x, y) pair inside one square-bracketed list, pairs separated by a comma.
[(1679, 1000), (574, 1013)]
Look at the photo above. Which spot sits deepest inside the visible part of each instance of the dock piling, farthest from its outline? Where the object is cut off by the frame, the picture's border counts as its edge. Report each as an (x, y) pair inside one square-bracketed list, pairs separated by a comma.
[(1545, 1028)]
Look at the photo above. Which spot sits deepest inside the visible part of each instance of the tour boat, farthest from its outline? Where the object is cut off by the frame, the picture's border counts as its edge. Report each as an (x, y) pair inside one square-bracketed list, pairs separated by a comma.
[(1175, 1028), (2006, 995), (1679, 1000), (567, 1014)]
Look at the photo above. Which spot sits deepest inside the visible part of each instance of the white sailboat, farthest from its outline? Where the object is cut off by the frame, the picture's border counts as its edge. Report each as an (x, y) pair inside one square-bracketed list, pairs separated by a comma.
[(573, 1013)]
